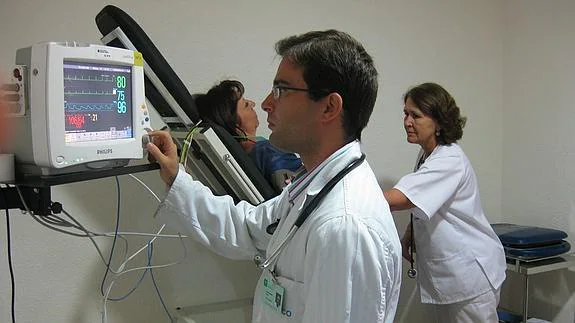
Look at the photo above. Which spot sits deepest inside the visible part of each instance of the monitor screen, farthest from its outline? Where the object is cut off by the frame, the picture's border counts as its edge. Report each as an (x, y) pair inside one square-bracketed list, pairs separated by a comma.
[(97, 102)]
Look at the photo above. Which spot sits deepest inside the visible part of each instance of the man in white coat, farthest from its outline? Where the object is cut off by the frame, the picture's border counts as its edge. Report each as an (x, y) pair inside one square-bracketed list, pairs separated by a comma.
[(334, 255)]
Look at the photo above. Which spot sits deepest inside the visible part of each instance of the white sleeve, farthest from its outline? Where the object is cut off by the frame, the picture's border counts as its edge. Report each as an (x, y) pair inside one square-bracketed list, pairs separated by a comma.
[(232, 231), (433, 184), (346, 280)]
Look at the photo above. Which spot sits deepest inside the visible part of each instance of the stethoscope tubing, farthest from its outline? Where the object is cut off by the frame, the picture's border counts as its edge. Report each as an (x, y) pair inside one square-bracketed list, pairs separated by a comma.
[(277, 252), (308, 209)]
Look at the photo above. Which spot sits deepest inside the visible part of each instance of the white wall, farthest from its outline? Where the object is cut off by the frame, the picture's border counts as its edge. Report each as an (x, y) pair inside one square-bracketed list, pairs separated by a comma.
[(456, 43), (538, 145)]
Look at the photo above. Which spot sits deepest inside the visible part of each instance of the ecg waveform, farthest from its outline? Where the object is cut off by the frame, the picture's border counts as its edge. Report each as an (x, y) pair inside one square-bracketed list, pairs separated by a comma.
[(88, 78), (74, 107), (83, 92)]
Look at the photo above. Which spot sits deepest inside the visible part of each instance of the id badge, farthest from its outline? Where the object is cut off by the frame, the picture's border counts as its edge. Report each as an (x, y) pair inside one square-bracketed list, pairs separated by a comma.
[(273, 293)]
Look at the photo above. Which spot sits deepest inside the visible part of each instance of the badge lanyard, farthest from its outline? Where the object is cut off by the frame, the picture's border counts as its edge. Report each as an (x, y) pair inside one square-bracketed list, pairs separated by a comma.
[(307, 210)]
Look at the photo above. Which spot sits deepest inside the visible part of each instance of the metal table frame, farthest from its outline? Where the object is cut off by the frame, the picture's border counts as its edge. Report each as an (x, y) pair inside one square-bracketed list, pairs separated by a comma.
[(528, 268)]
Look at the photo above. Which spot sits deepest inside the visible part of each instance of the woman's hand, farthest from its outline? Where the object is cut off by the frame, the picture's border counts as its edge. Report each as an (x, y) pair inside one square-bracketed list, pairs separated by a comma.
[(406, 244), (164, 151)]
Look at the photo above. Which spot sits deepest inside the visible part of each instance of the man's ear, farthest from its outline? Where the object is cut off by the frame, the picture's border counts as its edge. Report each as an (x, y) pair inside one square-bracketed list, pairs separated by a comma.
[(333, 107)]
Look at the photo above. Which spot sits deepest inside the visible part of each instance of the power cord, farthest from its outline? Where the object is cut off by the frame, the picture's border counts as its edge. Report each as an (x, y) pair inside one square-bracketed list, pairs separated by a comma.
[(12, 281), (118, 198), (10, 266)]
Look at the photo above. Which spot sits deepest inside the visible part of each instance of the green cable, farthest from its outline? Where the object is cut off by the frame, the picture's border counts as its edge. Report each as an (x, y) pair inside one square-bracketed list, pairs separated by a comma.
[(187, 144)]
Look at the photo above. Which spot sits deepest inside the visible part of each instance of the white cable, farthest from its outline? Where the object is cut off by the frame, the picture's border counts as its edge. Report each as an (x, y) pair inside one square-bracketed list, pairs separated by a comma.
[(113, 281), (126, 247), (154, 266), (143, 234), (145, 186), (90, 233), (37, 219), (122, 272), (157, 266), (121, 267)]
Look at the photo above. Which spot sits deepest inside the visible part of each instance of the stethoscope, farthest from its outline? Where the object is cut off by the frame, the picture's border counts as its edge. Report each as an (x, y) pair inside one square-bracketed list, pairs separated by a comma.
[(411, 272), (307, 210)]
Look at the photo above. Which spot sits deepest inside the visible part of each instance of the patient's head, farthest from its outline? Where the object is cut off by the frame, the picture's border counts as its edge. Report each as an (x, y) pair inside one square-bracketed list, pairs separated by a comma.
[(225, 106)]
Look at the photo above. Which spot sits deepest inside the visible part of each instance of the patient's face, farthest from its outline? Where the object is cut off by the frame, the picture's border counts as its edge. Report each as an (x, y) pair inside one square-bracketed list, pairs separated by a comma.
[(248, 117)]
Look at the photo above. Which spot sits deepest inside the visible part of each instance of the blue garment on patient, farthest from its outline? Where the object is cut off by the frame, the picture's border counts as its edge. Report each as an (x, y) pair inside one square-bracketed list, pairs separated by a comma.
[(275, 164)]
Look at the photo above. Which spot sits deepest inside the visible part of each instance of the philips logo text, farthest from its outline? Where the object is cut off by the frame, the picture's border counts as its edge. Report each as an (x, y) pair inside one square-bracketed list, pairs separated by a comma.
[(104, 151)]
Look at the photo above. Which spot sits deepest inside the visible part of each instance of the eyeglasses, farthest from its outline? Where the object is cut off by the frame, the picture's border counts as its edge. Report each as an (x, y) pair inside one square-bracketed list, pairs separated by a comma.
[(277, 90)]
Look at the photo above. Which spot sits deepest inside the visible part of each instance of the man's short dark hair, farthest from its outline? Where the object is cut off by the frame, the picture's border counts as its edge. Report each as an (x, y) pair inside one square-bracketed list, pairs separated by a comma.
[(333, 61)]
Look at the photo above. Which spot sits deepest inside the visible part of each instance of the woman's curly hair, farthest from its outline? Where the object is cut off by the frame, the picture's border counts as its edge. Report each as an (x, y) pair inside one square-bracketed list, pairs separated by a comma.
[(435, 102)]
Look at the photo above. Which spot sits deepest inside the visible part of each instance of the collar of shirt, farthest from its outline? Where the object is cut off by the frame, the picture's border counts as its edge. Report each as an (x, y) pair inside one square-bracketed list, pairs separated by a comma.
[(421, 158), (313, 181)]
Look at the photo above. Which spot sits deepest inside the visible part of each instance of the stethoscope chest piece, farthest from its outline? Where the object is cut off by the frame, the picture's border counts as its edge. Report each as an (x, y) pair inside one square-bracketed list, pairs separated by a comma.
[(411, 273)]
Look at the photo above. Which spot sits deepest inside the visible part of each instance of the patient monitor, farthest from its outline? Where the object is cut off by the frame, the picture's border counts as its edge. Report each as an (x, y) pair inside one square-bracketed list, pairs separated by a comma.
[(83, 107)]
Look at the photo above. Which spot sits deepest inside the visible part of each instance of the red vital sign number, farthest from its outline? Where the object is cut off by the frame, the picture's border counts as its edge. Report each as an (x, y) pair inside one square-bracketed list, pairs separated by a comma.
[(77, 120)]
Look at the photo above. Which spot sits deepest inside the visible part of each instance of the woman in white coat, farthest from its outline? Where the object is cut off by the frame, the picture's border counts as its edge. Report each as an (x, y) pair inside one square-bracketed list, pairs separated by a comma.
[(460, 260)]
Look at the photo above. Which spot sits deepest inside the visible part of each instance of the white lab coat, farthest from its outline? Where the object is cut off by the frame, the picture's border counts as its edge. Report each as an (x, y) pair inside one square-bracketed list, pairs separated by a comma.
[(342, 265), (458, 254)]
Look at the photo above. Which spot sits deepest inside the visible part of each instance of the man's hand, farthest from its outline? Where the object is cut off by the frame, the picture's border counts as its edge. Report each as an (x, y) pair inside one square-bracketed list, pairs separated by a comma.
[(165, 152)]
